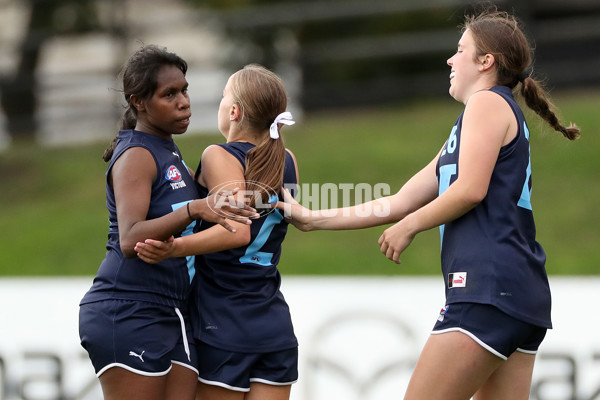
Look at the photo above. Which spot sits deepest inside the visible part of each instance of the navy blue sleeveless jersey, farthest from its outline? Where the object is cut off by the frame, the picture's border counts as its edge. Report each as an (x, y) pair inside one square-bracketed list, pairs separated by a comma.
[(238, 304), (490, 254), (168, 282)]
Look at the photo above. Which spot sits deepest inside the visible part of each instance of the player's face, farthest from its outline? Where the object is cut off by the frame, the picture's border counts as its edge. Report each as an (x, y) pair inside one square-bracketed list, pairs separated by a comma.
[(464, 68), (168, 111), (225, 109)]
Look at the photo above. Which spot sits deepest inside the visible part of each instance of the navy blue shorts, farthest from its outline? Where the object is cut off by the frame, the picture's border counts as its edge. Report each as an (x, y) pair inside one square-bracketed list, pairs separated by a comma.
[(493, 329), (141, 337), (235, 371)]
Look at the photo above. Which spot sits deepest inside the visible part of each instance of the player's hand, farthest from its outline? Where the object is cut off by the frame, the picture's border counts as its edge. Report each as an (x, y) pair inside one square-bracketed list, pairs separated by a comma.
[(294, 213), (154, 251), (395, 240), (223, 205)]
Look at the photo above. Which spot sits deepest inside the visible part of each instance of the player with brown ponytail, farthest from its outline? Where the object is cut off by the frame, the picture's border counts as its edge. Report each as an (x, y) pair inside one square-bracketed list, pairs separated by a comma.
[(478, 191), (498, 33), (261, 96), (244, 334)]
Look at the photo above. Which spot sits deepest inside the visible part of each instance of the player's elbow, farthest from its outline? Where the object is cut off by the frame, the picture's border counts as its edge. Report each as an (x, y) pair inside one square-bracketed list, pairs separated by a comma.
[(241, 237), (128, 250), (474, 196), (470, 192), (127, 241)]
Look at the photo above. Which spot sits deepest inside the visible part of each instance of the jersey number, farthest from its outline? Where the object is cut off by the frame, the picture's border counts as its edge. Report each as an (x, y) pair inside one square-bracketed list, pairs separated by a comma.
[(253, 255)]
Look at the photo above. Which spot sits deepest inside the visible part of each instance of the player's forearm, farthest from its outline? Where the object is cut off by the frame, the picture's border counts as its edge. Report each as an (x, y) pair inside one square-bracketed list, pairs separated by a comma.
[(366, 215), (448, 207), (159, 229), (211, 240)]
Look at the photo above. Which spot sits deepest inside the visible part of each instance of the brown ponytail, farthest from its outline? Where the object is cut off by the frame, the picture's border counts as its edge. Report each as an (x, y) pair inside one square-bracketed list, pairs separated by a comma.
[(108, 153), (264, 169), (536, 99), (498, 33), (262, 97), (128, 121)]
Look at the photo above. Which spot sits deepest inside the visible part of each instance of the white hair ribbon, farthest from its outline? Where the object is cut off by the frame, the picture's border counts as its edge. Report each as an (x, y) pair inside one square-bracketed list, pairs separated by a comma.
[(283, 118)]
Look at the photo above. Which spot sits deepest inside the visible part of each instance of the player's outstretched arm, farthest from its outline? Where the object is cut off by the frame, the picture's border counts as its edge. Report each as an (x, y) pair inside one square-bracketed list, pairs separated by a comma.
[(418, 191)]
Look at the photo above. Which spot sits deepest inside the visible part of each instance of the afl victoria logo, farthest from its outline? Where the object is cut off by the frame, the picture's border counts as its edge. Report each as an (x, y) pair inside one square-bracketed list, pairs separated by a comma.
[(173, 174)]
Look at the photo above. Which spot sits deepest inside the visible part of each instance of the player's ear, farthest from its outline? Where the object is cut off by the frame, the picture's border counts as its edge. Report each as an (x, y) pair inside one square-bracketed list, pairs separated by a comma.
[(137, 103), (235, 113), (487, 61)]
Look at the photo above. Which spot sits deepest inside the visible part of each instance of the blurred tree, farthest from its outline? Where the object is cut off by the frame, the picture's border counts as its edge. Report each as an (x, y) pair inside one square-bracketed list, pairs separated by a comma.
[(240, 27), (18, 93), (349, 52), (357, 52)]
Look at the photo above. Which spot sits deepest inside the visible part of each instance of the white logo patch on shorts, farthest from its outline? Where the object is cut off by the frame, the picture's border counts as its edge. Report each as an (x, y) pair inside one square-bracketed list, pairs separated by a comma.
[(457, 279), (443, 312)]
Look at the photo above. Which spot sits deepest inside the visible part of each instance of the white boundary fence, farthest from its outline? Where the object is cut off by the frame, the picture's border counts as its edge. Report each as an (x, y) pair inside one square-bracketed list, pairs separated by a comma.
[(359, 338)]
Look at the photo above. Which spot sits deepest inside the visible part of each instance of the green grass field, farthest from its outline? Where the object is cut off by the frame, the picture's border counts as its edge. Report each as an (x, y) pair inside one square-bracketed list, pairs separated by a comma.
[(54, 220)]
